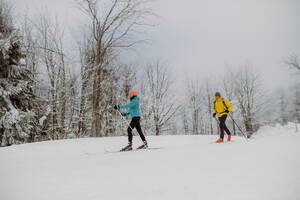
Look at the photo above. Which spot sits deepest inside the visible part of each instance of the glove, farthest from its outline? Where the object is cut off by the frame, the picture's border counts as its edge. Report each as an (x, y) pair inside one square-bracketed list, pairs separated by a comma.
[(214, 115), (123, 114), (116, 107), (227, 111)]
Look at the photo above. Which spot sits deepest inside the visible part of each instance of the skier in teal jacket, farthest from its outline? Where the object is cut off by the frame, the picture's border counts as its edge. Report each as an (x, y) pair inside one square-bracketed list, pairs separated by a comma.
[(134, 112), (134, 107)]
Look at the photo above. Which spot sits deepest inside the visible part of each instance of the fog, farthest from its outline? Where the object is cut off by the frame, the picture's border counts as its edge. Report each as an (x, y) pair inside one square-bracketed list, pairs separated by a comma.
[(199, 38)]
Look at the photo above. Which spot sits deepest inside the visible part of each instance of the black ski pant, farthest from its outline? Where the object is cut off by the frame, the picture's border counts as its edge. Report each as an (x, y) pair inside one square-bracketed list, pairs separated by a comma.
[(135, 123), (223, 126)]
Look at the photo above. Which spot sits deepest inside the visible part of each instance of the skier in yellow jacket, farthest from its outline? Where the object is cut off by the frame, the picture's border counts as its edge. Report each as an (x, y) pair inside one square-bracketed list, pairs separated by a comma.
[(221, 108)]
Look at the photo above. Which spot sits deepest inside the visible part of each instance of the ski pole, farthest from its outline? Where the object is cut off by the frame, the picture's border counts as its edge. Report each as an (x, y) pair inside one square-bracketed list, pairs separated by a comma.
[(217, 121), (238, 127), (125, 119)]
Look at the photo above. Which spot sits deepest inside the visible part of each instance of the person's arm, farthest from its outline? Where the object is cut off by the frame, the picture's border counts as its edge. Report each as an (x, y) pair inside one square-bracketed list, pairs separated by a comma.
[(131, 104), (125, 114), (229, 106)]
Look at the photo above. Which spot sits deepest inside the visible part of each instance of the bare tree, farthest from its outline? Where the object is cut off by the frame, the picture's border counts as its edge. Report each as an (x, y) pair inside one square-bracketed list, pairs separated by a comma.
[(194, 95), (210, 106), (163, 106), (185, 122), (87, 59), (30, 41), (129, 79), (113, 26), (296, 113), (283, 107), (145, 103), (250, 98), (6, 19), (51, 38), (293, 62), (72, 91), (228, 83)]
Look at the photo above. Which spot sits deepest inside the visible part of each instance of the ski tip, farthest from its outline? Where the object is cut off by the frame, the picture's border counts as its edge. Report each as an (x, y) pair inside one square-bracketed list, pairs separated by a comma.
[(222, 142)]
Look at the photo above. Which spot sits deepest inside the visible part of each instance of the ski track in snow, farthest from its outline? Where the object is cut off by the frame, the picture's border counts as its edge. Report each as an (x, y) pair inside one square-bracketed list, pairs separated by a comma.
[(186, 167)]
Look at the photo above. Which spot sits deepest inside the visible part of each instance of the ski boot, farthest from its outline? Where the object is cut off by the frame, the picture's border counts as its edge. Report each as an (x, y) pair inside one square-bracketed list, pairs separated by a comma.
[(127, 148), (144, 146), (220, 140), (229, 138)]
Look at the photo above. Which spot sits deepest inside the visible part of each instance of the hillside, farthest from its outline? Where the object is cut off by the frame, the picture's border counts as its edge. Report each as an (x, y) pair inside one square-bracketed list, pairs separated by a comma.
[(185, 167)]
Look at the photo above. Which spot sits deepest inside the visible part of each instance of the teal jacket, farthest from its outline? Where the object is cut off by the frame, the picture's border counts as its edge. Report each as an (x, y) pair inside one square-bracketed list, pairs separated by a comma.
[(134, 107)]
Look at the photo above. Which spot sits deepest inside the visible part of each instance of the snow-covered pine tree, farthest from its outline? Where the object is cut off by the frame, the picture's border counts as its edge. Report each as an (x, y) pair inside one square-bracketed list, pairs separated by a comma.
[(18, 121)]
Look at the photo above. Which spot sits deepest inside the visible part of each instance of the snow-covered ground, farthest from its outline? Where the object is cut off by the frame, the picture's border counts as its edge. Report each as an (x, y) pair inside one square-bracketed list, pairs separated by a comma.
[(186, 167)]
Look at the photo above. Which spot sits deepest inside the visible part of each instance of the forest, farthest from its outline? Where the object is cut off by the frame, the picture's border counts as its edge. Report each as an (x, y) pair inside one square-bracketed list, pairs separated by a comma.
[(47, 93)]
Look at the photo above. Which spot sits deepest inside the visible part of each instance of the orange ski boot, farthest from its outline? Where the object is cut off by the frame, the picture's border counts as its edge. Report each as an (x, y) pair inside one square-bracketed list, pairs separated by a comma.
[(229, 138), (220, 140)]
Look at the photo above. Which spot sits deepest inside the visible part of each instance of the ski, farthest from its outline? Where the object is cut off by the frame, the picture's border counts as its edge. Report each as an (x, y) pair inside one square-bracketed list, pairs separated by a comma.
[(222, 142), (133, 150)]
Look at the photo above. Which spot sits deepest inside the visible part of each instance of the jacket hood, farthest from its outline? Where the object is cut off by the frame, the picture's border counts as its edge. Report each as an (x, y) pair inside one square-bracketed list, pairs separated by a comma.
[(133, 97), (220, 99)]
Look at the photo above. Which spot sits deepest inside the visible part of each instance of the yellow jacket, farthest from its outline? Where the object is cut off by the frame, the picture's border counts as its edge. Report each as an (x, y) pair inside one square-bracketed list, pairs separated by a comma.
[(219, 107)]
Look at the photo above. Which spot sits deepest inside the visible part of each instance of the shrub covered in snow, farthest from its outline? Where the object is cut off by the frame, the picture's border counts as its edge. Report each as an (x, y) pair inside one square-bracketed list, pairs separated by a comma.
[(277, 130)]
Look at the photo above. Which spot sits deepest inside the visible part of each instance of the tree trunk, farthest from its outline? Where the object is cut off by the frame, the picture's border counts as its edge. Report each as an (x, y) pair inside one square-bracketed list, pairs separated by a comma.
[(157, 131), (63, 100), (95, 104), (54, 110), (248, 127), (195, 123), (156, 122)]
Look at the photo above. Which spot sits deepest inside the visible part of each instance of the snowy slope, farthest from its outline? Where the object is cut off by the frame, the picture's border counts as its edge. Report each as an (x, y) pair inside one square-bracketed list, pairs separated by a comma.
[(187, 167)]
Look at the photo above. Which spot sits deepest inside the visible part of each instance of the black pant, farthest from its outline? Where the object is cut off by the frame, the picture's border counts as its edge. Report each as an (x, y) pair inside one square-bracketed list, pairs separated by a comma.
[(223, 126), (135, 123)]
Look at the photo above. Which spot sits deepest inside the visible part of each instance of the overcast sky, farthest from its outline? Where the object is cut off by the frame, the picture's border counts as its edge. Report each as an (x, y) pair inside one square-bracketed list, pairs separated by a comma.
[(199, 38)]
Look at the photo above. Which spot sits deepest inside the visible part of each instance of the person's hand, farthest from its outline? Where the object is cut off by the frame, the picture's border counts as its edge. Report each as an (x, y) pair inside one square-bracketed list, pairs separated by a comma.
[(214, 115), (116, 107), (123, 114)]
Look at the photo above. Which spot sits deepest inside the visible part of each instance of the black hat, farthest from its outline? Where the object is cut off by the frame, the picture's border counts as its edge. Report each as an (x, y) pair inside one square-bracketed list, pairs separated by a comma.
[(218, 94)]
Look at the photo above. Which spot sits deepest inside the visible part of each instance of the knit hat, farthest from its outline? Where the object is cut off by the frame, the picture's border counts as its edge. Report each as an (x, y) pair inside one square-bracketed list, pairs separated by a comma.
[(133, 93), (218, 94)]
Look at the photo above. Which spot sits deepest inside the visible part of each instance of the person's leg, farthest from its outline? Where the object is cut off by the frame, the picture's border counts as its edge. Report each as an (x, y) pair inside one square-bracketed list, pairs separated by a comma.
[(222, 122), (225, 127), (129, 130), (132, 125), (139, 130)]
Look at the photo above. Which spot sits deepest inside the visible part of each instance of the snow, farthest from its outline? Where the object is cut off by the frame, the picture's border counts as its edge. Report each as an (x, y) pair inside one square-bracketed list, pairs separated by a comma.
[(11, 117), (42, 119), (278, 129), (186, 167)]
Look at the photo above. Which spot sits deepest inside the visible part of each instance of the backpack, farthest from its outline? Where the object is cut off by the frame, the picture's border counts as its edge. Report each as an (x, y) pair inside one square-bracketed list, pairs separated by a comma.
[(223, 104)]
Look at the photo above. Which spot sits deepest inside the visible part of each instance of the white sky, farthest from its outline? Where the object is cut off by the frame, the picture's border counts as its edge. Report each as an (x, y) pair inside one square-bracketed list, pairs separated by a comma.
[(199, 37)]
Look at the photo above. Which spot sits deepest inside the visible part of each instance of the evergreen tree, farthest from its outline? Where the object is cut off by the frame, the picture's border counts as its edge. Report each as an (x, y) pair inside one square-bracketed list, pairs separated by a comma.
[(18, 121)]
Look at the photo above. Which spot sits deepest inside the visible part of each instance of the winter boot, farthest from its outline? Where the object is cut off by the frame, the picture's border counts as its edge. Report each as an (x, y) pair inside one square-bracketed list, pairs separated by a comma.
[(229, 138), (220, 140), (127, 148), (144, 146)]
